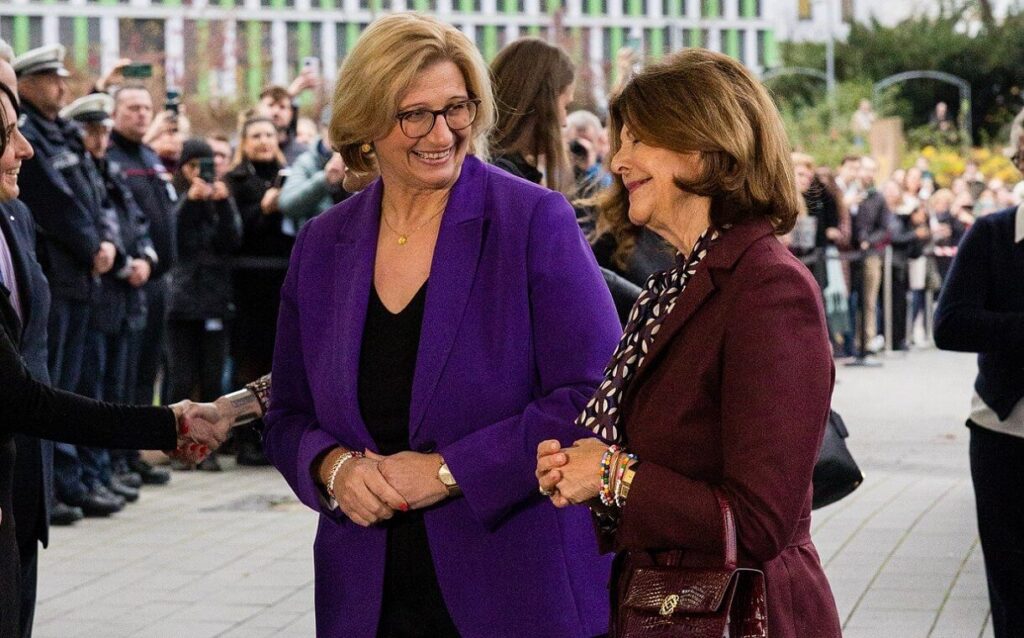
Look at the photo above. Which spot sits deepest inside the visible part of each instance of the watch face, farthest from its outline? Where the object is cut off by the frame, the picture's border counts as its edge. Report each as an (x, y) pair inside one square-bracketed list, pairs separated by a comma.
[(445, 475)]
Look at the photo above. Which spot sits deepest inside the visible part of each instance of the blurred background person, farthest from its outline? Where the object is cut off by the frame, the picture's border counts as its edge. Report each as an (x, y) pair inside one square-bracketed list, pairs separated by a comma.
[(150, 185), (254, 182), (222, 154), (200, 301), (534, 83), (314, 184)]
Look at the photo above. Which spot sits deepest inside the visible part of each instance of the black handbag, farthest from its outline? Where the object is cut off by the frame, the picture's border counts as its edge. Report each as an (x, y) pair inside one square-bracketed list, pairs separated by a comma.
[(836, 473)]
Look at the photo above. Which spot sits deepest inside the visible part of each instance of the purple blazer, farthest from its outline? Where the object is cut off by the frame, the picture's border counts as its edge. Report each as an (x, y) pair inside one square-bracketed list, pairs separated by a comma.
[(517, 329)]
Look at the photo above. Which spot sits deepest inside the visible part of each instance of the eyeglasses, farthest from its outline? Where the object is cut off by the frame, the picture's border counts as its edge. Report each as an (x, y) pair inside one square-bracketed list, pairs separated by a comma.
[(420, 122)]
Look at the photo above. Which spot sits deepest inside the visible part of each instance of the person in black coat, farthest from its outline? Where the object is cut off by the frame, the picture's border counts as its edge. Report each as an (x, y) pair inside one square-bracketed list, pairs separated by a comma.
[(255, 184), (200, 304)]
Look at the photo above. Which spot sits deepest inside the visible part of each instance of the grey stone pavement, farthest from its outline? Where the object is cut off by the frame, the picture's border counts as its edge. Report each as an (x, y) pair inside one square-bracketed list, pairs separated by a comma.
[(231, 554)]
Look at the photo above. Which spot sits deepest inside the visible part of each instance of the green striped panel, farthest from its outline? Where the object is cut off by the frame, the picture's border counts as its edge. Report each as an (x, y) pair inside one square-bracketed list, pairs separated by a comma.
[(771, 50), (748, 8), (732, 43), (203, 61), (490, 42), (351, 35), (636, 7), (227, 4), (254, 58), (21, 34), (277, 4), (615, 38), (712, 8), (466, 6), (304, 49), (80, 52), (594, 7), (656, 43), (696, 37), (533, 30), (422, 5), (553, 6), (509, 6)]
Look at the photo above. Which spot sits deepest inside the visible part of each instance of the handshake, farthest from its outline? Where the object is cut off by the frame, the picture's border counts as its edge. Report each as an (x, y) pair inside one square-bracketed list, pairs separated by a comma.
[(202, 428)]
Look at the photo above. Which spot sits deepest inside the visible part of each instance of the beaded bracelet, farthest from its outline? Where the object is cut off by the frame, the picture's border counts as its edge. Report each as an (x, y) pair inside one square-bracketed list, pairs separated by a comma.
[(607, 496)]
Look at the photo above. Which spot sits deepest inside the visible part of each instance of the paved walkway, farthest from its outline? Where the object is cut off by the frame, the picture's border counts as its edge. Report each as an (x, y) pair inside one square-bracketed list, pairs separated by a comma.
[(230, 555)]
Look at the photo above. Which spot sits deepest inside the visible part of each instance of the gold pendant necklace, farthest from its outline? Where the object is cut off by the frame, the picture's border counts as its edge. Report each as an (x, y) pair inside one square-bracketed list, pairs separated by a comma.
[(403, 238)]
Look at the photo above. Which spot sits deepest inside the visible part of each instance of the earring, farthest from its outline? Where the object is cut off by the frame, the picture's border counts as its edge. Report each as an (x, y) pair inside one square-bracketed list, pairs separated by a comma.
[(366, 149)]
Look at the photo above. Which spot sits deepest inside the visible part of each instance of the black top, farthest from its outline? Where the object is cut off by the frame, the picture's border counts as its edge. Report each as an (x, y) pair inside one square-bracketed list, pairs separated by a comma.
[(413, 605)]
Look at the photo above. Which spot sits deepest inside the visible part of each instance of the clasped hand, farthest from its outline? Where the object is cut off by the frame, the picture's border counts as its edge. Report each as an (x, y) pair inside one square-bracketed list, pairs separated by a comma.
[(201, 429), (371, 489), (570, 475)]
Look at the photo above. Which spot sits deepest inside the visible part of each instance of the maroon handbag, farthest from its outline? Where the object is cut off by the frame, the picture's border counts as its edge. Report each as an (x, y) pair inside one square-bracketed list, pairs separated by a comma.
[(667, 600)]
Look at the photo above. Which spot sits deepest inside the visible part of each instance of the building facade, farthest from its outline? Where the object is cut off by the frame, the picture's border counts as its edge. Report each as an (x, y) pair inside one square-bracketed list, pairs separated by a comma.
[(232, 48)]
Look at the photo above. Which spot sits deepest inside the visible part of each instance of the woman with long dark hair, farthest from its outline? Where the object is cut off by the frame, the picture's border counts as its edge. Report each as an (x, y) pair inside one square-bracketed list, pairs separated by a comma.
[(534, 83)]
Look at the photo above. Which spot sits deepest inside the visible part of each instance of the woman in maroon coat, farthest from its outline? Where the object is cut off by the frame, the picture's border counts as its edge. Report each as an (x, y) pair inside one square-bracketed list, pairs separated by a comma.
[(722, 381)]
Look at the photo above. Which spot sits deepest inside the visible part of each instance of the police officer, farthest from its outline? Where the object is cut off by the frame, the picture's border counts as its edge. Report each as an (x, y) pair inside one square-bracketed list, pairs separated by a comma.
[(119, 307), (72, 245), (150, 185)]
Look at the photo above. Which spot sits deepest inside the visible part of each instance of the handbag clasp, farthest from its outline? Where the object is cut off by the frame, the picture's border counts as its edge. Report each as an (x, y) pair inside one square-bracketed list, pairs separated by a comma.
[(669, 604)]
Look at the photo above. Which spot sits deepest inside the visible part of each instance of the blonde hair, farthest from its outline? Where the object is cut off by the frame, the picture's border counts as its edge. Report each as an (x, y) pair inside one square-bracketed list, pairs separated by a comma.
[(700, 100), (383, 64), (802, 159)]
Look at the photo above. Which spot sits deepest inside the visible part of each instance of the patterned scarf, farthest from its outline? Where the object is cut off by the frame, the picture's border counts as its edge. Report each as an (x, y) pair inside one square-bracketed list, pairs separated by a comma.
[(656, 301)]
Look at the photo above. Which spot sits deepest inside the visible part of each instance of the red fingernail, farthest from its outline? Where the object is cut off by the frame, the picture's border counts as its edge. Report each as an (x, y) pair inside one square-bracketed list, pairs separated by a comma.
[(404, 507)]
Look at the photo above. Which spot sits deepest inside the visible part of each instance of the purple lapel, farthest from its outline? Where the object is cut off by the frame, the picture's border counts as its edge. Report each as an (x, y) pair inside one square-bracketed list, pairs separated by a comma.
[(451, 279), (354, 256)]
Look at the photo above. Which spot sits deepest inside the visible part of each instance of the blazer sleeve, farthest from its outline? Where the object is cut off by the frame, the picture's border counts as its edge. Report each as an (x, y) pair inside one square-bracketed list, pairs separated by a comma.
[(292, 437), (775, 392), (962, 322), (35, 409), (575, 330)]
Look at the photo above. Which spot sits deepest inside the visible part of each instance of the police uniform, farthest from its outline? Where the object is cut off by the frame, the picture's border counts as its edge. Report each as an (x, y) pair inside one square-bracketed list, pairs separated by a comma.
[(118, 310), (58, 184)]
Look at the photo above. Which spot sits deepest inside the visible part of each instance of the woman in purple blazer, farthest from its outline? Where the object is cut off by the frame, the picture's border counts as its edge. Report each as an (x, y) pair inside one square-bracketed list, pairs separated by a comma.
[(433, 330)]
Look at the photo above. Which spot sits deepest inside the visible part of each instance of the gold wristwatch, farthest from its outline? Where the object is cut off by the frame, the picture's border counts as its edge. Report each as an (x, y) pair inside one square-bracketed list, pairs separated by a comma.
[(626, 481), (445, 476)]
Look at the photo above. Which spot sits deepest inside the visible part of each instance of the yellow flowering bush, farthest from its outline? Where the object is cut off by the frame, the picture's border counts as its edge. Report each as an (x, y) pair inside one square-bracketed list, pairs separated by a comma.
[(948, 163)]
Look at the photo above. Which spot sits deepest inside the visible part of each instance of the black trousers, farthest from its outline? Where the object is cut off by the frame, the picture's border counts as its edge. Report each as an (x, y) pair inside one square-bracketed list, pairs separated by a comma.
[(197, 351), (997, 469), (29, 571)]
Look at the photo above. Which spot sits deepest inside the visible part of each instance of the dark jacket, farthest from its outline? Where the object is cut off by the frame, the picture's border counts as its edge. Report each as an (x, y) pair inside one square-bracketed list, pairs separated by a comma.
[(981, 309), (57, 188), (262, 235), (871, 223), (35, 409), (33, 467), (208, 233), (150, 184), (118, 304), (733, 396)]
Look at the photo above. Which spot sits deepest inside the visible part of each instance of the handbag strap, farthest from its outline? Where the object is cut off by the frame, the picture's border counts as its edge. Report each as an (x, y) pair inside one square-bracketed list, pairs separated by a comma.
[(728, 531)]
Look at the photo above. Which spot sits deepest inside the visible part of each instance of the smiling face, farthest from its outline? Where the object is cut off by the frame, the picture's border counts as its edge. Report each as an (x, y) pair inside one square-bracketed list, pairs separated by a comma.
[(648, 173), (432, 162), (17, 150), (260, 142)]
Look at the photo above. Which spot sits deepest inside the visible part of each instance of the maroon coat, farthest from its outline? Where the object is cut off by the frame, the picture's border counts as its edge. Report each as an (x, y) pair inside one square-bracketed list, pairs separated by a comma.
[(735, 394)]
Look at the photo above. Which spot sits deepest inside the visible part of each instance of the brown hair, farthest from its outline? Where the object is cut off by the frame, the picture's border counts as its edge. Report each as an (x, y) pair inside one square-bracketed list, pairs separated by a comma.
[(276, 93), (243, 130), (383, 64), (700, 100), (529, 75)]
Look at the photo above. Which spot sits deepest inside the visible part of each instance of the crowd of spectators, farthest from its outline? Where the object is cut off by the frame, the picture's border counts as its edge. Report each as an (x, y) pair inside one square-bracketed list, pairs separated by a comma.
[(165, 250)]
